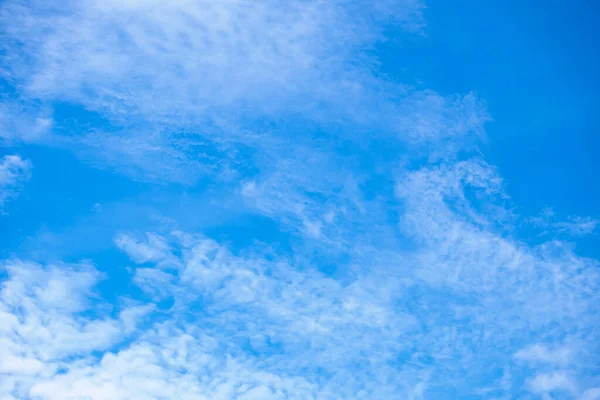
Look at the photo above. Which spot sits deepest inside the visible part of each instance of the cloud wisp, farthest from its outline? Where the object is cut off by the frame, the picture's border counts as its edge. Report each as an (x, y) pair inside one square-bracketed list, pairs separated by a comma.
[(13, 172)]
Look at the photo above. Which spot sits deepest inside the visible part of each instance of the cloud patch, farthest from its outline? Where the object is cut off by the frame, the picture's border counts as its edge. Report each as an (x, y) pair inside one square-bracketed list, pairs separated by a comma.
[(13, 172)]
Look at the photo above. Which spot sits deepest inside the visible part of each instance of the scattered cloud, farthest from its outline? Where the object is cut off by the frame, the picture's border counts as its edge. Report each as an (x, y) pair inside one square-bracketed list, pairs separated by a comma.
[(209, 323), (280, 106)]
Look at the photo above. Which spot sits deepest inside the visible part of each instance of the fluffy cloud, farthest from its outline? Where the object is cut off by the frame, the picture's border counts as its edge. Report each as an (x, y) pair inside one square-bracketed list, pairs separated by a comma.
[(238, 328), (44, 322), (213, 324)]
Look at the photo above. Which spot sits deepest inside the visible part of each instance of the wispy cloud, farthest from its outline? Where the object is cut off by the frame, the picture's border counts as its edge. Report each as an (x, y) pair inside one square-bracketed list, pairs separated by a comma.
[(176, 81), (573, 226), (538, 353), (23, 122), (13, 172), (429, 321), (508, 291), (556, 381), (280, 106)]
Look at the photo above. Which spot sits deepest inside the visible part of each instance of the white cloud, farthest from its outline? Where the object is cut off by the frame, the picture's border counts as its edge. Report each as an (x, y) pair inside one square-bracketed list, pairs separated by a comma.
[(577, 226), (155, 250), (452, 213), (540, 353), (44, 323), (437, 300), (441, 126), (23, 122), (183, 85), (573, 226), (556, 381), (189, 89), (253, 325), (13, 172), (196, 48), (56, 349)]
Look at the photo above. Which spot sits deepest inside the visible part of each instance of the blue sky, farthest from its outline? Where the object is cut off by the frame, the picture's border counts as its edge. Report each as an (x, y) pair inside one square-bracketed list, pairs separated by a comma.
[(299, 200)]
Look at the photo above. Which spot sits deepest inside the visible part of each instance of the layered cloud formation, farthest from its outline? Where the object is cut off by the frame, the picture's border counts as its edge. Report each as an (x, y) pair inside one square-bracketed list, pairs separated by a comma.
[(401, 275)]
